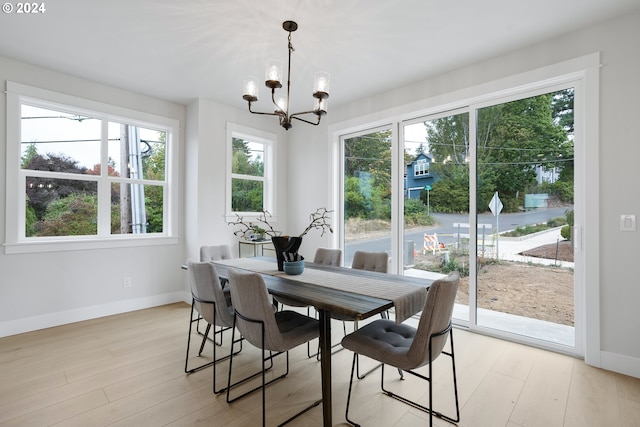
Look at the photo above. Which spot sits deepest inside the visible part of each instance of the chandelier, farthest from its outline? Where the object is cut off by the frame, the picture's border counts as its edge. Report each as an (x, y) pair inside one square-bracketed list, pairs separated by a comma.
[(273, 80)]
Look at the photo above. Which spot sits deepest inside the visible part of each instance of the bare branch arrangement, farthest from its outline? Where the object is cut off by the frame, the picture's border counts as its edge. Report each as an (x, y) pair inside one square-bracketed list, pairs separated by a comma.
[(319, 221)]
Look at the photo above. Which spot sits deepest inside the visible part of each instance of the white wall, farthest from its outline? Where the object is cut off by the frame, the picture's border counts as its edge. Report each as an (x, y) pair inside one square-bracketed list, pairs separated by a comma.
[(310, 188), (46, 289), (619, 348), (205, 172)]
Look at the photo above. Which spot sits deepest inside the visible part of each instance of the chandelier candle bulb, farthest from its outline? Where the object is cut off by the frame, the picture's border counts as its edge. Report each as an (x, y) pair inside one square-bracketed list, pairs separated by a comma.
[(320, 106), (250, 89), (274, 74), (281, 103), (321, 85)]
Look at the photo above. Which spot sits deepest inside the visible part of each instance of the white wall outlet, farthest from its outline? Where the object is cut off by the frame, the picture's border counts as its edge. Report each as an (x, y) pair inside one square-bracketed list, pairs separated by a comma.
[(126, 282), (627, 223)]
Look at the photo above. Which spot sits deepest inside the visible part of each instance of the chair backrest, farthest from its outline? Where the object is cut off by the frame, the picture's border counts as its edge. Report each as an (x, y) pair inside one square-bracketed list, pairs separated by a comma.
[(435, 318), (215, 253), (250, 298), (326, 256), (207, 290), (371, 261)]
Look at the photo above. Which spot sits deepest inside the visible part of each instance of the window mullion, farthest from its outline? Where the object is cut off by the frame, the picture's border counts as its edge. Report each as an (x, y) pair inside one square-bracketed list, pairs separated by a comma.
[(104, 185)]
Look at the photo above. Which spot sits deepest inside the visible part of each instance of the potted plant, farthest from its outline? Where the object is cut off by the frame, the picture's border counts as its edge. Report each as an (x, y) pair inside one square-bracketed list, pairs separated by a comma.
[(258, 233)]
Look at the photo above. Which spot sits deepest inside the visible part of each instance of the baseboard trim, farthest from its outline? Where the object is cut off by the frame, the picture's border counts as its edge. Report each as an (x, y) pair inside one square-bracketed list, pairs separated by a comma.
[(620, 363), (28, 324)]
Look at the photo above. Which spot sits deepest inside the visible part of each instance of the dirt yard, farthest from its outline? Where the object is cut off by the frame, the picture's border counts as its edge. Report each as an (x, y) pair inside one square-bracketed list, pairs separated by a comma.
[(535, 291)]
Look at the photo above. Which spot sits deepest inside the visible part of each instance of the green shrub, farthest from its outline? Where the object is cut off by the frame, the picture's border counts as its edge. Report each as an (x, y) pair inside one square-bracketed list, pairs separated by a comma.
[(415, 213), (556, 222), (565, 232), (453, 265)]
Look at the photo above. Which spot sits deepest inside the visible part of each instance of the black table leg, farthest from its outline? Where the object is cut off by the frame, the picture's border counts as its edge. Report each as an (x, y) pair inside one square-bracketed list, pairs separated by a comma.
[(325, 366)]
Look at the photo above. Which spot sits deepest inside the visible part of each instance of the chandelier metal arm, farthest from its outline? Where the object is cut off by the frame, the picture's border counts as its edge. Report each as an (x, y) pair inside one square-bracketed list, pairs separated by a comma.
[(260, 112), (294, 116)]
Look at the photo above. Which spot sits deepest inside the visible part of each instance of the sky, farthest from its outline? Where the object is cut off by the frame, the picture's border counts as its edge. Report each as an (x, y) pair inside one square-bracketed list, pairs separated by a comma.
[(58, 133)]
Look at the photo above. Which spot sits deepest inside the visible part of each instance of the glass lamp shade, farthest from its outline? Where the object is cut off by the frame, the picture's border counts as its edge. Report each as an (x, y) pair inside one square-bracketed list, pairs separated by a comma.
[(281, 103), (321, 85), (273, 75), (320, 106), (250, 92)]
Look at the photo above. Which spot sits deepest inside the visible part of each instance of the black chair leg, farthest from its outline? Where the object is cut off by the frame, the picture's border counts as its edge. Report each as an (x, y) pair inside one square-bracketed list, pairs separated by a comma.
[(346, 414), (186, 360), (264, 383), (204, 338), (429, 409)]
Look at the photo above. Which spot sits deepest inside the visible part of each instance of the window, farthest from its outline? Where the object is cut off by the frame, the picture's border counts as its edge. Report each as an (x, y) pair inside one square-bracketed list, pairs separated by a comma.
[(84, 174), (249, 165), (421, 167)]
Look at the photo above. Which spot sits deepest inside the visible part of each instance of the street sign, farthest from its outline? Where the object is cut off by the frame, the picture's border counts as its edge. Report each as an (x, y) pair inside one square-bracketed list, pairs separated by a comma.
[(427, 187), (495, 204)]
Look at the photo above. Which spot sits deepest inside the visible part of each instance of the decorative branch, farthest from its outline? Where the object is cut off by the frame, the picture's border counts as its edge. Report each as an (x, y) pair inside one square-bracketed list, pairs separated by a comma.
[(246, 230), (319, 221)]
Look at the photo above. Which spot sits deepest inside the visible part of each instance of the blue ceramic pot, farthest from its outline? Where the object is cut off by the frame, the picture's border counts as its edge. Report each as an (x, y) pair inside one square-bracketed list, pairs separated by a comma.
[(294, 267)]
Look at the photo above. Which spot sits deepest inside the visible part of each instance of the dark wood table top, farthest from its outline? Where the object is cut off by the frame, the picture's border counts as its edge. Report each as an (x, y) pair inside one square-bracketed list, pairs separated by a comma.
[(336, 301)]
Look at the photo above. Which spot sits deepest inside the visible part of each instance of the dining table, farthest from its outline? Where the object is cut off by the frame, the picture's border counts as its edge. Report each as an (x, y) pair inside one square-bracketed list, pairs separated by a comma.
[(358, 294)]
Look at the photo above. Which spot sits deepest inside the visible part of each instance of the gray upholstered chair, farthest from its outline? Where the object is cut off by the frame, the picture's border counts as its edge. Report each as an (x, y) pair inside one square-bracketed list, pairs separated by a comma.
[(323, 256), (209, 301), (215, 253), (369, 261), (273, 332), (408, 348)]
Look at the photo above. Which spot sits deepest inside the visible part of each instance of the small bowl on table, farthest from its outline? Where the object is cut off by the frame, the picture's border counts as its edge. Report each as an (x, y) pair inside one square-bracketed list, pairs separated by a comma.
[(293, 268)]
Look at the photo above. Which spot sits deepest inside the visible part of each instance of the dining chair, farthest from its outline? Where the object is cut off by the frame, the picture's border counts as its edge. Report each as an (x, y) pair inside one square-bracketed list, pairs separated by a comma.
[(326, 256), (214, 253), (369, 261), (323, 256), (408, 348), (208, 300), (273, 332)]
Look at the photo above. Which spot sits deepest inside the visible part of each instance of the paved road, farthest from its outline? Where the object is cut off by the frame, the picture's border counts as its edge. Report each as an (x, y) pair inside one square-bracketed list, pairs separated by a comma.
[(445, 229)]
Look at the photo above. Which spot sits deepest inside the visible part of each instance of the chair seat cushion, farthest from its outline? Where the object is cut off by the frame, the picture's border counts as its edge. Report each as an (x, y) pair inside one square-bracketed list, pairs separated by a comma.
[(385, 341)]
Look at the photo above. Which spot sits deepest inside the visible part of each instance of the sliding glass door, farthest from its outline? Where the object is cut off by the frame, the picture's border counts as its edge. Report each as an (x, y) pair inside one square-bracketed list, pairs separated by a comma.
[(486, 190), (436, 200), (524, 196)]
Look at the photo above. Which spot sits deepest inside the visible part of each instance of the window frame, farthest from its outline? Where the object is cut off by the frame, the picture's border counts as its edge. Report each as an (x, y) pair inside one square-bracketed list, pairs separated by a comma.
[(421, 167), (581, 72), (15, 236), (268, 179)]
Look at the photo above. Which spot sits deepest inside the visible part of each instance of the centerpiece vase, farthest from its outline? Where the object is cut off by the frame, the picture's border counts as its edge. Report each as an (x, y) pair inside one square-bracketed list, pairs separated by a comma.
[(283, 244)]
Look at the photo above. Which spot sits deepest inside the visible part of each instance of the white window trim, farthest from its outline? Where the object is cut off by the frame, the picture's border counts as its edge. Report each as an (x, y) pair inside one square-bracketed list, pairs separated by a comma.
[(269, 179), (16, 242)]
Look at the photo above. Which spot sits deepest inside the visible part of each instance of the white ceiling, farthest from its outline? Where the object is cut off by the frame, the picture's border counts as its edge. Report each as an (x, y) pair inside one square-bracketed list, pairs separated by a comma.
[(182, 50)]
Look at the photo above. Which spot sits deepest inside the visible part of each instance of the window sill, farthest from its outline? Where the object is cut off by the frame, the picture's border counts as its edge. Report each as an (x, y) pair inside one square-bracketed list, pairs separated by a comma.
[(85, 244)]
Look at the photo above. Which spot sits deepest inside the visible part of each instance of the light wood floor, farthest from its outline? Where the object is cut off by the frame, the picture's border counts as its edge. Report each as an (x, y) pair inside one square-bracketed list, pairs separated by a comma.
[(127, 370)]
